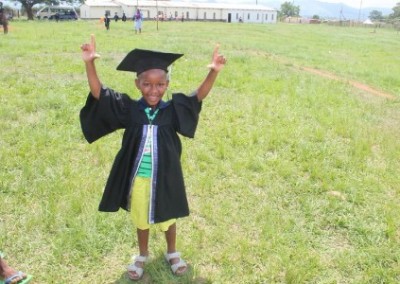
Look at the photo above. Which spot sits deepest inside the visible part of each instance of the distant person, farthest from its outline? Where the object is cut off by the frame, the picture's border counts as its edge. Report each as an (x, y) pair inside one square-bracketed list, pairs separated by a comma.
[(107, 21), (3, 18), (138, 18), (123, 17), (146, 177), (116, 17), (9, 275)]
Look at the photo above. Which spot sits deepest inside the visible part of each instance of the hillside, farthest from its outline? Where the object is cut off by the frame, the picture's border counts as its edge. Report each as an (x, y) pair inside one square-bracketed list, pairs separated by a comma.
[(308, 8)]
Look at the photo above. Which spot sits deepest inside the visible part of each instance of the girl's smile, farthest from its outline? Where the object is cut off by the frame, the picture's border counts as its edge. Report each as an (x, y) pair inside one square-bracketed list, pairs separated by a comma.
[(152, 84)]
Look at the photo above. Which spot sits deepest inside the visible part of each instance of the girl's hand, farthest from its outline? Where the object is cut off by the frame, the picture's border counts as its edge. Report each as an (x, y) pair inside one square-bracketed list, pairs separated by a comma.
[(89, 50), (218, 60)]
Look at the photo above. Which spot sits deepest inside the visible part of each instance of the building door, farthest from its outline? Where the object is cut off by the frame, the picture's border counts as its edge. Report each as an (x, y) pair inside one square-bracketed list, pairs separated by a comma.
[(229, 17)]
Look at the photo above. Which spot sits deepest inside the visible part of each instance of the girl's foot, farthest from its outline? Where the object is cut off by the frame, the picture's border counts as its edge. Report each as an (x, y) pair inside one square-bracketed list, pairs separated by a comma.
[(178, 265), (9, 275), (135, 270)]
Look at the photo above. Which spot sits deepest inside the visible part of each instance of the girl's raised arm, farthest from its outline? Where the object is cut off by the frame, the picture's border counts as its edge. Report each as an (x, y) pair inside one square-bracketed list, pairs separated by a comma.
[(89, 55)]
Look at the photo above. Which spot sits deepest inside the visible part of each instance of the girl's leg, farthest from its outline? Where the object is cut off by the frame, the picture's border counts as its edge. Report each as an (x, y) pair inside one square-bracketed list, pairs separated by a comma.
[(139, 210), (143, 239), (1, 268), (170, 236)]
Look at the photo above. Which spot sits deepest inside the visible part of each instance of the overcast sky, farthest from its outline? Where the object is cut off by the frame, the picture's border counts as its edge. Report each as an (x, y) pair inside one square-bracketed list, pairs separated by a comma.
[(354, 3), (365, 3)]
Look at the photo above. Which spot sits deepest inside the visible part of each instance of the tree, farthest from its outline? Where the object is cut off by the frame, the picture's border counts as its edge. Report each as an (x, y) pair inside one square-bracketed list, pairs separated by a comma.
[(396, 12), (375, 15), (289, 10), (28, 4)]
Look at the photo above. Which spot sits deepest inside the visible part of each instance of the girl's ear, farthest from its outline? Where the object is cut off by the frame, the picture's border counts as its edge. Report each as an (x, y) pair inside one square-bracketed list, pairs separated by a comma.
[(137, 83)]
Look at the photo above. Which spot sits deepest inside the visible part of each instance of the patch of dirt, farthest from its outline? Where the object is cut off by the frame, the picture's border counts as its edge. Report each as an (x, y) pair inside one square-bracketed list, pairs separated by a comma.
[(322, 73), (355, 84)]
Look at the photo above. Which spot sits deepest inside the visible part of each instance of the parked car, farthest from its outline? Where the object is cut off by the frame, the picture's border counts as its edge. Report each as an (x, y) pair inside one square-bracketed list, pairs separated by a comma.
[(64, 16), (57, 13)]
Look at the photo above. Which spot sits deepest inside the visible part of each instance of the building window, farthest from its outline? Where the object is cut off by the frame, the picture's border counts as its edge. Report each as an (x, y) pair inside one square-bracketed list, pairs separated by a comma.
[(108, 13), (272, 17), (176, 14), (214, 16), (187, 15), (258, 16), (237, 16), (205, 15), (248, 16)]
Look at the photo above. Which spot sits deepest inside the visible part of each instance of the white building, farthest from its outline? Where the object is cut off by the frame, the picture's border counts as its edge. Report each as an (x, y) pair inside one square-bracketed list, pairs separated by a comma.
[(95, 9)]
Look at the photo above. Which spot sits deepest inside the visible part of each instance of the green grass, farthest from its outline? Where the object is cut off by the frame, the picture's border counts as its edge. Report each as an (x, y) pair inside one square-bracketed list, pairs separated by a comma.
[(292, 178)]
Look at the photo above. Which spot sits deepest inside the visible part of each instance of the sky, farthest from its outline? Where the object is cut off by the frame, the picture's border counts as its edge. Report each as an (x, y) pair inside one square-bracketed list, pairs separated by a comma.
[(353, 3), (365, 3)]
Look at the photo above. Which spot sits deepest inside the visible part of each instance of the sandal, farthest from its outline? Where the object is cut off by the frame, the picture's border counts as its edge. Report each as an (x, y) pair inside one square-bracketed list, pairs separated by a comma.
[(180, 264), (24, 278), (136, 269), (20, 275)]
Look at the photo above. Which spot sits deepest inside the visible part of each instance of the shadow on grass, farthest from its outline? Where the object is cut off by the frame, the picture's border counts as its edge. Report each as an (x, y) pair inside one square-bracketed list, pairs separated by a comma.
[(158, 271)]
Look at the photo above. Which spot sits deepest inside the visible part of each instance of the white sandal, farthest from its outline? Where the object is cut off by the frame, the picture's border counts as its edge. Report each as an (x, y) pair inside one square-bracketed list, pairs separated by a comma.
[(176, 266), (138, 270)]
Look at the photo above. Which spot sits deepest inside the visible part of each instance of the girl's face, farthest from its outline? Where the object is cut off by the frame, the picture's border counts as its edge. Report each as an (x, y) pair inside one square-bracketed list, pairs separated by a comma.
[(152, 84)]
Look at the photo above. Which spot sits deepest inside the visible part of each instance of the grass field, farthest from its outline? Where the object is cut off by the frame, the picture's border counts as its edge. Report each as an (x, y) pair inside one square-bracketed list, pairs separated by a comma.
[(292, 177)]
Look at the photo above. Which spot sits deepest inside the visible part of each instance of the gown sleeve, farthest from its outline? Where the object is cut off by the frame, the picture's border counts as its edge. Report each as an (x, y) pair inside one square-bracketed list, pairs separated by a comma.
[(105, 115), (187, 109)]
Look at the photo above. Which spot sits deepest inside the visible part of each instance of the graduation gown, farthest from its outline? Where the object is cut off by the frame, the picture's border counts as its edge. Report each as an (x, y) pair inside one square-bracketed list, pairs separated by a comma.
[(115, 111)]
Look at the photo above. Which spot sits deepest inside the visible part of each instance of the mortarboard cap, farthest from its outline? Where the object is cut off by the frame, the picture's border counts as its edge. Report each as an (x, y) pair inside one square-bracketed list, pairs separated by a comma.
[(140, 60)]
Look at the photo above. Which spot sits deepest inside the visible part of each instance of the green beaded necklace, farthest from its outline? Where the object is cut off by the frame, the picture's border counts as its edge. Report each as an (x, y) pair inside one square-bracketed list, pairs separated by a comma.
[(150, 117)]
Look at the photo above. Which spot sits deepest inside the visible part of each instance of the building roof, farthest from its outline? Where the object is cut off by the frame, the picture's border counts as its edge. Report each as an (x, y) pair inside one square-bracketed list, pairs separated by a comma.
[(178, 4)]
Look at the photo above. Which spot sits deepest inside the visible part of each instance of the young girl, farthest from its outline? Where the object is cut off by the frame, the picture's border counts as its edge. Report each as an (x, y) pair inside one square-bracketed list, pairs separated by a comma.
[(146, 178), (138, 18)]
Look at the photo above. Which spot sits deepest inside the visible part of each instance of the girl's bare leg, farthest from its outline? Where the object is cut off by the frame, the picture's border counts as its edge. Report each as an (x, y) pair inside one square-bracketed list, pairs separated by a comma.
[(170, 236)]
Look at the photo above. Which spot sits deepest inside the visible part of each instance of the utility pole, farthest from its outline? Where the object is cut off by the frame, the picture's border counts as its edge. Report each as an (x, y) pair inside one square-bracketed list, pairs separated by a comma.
[(157, 13)]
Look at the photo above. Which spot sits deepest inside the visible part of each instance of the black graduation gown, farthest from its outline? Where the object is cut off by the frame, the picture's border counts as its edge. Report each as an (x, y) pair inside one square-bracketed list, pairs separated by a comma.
[(115, 111)]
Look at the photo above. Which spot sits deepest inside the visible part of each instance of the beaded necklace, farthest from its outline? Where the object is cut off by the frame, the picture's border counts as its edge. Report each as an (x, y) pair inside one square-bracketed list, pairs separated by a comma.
[(150, 117)]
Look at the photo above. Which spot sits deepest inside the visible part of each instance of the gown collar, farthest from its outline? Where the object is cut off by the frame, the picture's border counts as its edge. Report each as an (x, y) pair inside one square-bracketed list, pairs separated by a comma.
[(143, 105)]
